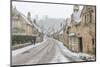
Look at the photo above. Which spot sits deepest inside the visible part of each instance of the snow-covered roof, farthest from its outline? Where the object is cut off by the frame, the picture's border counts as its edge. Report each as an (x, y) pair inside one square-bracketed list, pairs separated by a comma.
[(25, 18), (16, 12), (76, 16)]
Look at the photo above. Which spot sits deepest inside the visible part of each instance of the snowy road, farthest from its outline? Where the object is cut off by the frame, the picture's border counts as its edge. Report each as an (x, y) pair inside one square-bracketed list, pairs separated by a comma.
[(48, 51)]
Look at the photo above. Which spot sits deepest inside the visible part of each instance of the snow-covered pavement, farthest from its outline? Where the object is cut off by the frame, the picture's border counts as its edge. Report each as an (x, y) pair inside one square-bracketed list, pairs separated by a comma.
[(72, 55), (21, 50), (67, 53)]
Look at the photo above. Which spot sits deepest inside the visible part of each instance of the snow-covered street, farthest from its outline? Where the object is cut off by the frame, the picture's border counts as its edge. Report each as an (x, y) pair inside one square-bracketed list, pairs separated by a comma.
[(48, 51), (42, 36)]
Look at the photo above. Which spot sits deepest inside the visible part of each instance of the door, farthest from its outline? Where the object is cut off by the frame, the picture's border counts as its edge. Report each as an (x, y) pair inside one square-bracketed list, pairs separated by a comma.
[(80, 44)]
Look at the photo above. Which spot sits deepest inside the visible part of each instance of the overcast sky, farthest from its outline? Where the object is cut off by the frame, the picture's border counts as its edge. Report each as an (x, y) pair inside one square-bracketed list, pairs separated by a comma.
[(41, 9)]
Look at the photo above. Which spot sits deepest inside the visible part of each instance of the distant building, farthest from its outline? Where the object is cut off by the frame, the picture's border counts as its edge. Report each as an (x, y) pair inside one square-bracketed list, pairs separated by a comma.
[(80, 37), (58, 36)]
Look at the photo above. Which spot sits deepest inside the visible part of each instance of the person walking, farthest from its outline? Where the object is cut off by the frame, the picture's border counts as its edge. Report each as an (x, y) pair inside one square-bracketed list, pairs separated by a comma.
[(34, 40)]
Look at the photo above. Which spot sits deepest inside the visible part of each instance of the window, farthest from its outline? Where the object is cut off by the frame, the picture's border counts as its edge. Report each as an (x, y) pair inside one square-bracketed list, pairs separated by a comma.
[(93, 43), (85, 19), (67, 32), (90, 17)]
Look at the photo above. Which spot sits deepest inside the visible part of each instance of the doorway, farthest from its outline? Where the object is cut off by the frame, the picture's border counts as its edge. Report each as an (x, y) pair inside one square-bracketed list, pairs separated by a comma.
[(80, 44)]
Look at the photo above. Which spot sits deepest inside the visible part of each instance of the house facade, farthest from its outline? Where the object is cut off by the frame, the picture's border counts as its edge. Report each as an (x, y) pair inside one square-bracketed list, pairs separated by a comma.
[(22, 27), (80, 34)]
